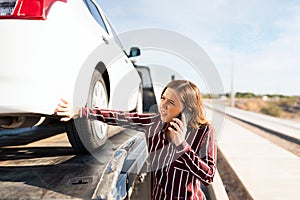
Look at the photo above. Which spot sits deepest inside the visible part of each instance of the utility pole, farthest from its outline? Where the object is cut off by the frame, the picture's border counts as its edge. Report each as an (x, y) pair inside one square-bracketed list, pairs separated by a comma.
[(232, 95), (172, 77)]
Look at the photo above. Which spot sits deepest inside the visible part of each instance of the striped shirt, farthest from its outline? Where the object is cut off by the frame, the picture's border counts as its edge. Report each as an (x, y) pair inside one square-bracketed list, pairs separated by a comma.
[(177, 171)]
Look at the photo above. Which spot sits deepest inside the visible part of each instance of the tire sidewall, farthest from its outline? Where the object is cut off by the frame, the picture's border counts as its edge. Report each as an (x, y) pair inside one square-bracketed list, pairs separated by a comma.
[(86, 132)]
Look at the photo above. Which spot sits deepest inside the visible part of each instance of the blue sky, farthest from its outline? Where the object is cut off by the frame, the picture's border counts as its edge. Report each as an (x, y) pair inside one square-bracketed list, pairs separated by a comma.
[(260, 39)]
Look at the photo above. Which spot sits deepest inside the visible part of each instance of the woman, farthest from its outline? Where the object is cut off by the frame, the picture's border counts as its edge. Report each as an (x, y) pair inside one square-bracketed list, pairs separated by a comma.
[(180, 140)]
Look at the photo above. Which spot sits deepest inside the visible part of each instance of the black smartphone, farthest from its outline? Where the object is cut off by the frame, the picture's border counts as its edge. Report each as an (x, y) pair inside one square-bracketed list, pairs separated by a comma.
[(178, 117)]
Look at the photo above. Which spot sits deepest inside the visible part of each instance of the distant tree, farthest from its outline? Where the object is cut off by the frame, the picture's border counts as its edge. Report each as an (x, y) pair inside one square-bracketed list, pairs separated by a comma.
[(206, 96), (276, 96), (245, 95)]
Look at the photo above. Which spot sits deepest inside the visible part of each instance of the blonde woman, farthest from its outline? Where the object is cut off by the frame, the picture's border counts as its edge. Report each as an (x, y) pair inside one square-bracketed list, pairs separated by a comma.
[(180, 140)]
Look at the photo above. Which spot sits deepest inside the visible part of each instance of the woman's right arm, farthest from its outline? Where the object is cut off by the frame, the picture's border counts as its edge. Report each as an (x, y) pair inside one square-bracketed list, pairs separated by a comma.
[(118, 118), (134, 120)]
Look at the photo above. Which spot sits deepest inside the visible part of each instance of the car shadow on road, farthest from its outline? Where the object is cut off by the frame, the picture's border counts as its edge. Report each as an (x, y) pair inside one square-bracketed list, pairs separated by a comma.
[(33, 152), (24, 136)]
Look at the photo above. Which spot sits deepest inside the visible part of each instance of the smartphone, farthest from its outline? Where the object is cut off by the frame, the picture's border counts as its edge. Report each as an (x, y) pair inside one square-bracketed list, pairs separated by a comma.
[(178, 117)]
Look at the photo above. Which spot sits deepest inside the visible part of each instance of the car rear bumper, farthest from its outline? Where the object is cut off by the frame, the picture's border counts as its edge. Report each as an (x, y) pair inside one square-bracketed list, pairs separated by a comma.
[(32, 94)]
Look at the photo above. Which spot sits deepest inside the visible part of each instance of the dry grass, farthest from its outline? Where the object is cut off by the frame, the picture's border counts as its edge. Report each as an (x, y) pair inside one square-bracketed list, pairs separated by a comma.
[(283, 108)]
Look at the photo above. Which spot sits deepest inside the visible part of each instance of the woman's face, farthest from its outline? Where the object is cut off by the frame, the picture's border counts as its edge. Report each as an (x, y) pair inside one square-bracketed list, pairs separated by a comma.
[(170, 105)]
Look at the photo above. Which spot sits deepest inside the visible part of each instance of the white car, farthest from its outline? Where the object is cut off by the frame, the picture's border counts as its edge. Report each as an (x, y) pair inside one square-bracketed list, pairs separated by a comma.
[(52, 49)]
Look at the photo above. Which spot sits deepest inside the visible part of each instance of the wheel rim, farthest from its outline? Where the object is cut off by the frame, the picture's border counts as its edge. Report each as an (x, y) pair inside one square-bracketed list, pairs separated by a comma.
[(99, 99)]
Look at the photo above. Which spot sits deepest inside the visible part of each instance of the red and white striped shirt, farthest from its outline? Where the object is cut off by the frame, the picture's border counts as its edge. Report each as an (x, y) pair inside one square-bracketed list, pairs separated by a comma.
[(176, 170)]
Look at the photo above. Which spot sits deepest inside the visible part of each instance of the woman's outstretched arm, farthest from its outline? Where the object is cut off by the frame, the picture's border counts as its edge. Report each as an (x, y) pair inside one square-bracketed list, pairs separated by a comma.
[(134, 120)]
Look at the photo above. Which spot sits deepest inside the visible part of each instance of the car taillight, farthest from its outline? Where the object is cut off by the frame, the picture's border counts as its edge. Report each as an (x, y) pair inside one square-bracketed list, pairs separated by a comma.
[(25, 9)]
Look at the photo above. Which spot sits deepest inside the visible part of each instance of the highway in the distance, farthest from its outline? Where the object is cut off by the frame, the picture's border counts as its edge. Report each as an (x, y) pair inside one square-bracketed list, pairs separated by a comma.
[(262, 151)]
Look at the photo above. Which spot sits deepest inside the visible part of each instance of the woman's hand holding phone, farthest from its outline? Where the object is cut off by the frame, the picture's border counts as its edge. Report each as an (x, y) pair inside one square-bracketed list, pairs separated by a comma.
[(178, 129)]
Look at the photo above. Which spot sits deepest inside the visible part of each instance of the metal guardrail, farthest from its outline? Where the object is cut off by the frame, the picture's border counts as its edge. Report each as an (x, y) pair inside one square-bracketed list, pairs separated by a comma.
[(279, 127)]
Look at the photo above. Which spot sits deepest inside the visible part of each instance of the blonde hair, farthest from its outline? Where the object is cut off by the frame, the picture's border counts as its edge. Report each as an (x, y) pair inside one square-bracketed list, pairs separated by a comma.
[(191, 98)]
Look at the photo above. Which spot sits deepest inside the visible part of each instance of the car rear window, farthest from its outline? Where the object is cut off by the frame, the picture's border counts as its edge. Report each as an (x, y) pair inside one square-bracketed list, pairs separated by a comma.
[(96, 14)]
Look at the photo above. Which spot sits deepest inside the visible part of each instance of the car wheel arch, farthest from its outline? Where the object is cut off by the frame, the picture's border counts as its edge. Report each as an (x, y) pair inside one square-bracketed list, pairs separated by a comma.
[(102, 69)]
